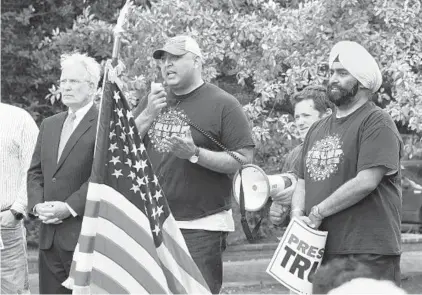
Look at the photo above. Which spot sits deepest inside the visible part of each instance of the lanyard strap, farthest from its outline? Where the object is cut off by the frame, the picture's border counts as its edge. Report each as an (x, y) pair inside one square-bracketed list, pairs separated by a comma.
[(251, 236)]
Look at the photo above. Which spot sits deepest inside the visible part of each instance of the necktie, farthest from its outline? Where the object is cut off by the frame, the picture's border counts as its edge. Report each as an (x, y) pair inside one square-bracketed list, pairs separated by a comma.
[(67, 131)]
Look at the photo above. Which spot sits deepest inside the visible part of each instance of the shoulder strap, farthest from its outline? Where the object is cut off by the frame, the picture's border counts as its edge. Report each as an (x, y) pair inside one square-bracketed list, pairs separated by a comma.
[(251, 236)]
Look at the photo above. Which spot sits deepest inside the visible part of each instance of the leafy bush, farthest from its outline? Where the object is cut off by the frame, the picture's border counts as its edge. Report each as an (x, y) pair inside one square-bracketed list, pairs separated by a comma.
[(270, 49)]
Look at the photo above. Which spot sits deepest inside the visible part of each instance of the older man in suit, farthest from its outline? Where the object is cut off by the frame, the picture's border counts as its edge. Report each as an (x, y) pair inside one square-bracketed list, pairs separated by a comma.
[(60, 169)]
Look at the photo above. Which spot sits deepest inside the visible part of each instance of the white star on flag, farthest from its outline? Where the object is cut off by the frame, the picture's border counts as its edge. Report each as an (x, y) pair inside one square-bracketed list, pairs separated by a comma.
[(132, 175), (134, 149), (129, 115), (155, 180), (144, 164), (123, 136), (117, 173), (154, 213), (156, 229), (116, 96), (137, 166), (120, 113), (143, 196), (115, 160), (141, 181), (128, 162), (112, 134), (113, 147), (126, 150), (160, 211), (141, 148), (158, 195), (135, 188), (131, 133)]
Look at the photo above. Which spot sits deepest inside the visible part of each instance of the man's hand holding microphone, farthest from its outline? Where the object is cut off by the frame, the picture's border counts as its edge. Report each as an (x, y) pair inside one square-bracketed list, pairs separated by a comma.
[(156, 101)]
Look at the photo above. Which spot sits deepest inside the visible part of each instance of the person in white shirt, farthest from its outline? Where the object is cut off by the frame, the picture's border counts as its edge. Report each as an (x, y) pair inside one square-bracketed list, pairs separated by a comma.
[(18, 134)]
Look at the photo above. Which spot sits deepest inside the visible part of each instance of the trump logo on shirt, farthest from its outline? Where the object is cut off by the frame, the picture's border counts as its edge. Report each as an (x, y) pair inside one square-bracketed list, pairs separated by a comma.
[(323, 158)]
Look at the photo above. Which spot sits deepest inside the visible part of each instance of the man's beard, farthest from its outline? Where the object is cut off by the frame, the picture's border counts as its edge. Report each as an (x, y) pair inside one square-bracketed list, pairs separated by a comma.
[(344, 96)]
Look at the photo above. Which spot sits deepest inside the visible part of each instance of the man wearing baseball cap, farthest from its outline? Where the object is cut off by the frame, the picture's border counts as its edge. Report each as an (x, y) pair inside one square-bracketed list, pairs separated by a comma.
[(349, 172), (177, 122), (178, 46)]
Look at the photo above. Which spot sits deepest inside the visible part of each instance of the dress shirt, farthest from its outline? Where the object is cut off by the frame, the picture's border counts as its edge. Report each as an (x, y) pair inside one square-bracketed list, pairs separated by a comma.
[(18, 136), (80, 114)]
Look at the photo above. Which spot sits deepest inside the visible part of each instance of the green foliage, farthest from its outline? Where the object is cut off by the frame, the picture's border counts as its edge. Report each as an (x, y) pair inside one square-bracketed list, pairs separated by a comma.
[(24, 25), (273, 48), (269, 48)]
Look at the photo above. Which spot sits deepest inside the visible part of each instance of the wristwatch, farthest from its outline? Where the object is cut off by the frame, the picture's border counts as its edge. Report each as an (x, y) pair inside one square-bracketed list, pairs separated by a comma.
[(18, 215), (315, 212), (296, 209), (194, 159)]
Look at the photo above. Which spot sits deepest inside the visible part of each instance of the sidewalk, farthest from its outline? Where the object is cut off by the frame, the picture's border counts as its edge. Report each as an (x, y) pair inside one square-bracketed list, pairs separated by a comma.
[(245, 265), (410, 242), (253, 272)]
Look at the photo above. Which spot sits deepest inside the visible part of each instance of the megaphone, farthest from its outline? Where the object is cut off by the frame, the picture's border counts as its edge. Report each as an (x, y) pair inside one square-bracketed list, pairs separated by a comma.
[(257, 186)]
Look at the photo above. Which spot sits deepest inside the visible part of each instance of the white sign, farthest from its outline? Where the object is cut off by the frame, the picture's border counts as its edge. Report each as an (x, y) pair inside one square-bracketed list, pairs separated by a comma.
[(298, 256)]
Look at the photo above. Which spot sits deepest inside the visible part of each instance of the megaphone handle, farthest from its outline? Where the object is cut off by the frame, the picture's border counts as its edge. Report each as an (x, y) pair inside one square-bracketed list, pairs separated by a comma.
[(250, 236)]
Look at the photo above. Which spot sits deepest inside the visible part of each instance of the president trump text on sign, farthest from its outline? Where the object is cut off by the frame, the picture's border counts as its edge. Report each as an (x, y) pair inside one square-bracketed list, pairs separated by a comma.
[(298, 256)]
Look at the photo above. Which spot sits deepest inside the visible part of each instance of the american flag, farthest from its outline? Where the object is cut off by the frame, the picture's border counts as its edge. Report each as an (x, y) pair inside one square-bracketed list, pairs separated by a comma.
[(129, 241)]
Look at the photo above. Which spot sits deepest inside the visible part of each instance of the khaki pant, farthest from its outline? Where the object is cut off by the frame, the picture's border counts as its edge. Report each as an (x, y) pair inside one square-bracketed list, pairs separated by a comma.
[(14, 261)]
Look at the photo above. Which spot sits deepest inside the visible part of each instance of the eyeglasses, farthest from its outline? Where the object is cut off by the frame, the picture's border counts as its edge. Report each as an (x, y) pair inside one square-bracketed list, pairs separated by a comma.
[(72, 81)]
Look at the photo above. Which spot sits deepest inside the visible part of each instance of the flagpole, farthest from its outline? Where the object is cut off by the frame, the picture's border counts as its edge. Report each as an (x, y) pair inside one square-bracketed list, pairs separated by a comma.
[(117, 32)]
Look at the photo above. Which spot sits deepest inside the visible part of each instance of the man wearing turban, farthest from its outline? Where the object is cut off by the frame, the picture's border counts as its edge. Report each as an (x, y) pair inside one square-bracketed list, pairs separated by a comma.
[(350, 167)]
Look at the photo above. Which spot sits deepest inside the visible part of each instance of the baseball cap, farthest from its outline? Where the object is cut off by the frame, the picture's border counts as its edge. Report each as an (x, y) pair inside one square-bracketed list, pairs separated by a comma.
[(178, 45)]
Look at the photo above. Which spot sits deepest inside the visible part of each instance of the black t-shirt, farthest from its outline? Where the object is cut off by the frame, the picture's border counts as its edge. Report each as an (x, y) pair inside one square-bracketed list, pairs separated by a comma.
[(334, 151), (192, 190), (290, 164)]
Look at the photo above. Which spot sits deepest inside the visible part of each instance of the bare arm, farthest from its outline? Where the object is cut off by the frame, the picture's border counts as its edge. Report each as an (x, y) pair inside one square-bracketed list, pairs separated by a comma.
[(155, 102), (218, 161), (143, 122), (352, 191), (222, 162)]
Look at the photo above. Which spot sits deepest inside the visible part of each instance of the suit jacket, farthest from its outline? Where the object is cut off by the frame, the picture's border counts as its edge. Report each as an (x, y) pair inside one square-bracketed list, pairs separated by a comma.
[(65, 180)]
